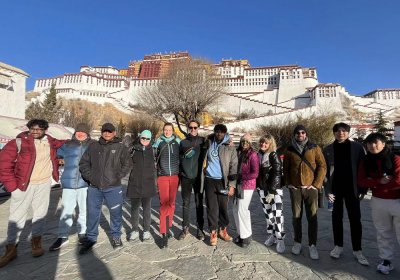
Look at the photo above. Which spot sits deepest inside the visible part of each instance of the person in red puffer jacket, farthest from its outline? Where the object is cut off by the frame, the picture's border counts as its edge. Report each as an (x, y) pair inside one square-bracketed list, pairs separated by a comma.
[(26, 167), (380, 172)]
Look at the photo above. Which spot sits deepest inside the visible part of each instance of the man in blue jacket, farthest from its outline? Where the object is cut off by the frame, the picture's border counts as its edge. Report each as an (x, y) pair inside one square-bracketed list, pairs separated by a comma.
[(74, 187)]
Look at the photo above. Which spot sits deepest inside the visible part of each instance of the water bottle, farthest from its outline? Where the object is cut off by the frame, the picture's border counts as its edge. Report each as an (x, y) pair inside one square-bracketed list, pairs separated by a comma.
[(330, 205)]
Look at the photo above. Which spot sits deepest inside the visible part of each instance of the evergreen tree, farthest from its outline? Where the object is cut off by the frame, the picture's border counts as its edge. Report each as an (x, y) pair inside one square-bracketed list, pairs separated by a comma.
[(121, 128), (48, 109)]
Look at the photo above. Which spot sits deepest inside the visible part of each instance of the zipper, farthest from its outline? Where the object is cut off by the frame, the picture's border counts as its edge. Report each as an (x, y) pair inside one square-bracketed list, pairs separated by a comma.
[(169, 160)]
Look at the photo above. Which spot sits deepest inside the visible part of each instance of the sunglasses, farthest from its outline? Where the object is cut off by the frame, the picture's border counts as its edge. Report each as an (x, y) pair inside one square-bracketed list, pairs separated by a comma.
[(300, 132), (193, 127), (245, 142), (145, 139)]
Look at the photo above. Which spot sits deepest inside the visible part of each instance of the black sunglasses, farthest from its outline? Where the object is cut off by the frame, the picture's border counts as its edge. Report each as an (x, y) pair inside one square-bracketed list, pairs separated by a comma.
[(300, 132), (193, 127), (145, 139)]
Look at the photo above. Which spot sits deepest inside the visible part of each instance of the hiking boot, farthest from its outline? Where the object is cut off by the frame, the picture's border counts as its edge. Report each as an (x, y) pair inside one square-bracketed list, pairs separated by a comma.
[(37, 249), (223, 234), (280, 246), (213, 238), (9, 255), (200, 234), (116, 242), (313, 252), (86, 246), (185, 231), (132, 236), (270, 240), (296, 249), (360, 258), (164, 241), (336, 252), (60, 242)]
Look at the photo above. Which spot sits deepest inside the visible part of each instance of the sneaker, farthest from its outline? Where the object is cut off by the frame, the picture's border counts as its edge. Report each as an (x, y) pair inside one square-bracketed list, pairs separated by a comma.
[(86, 246), (132, 236), (245, 242), (360, 258), (116, 242), (385, 267), (296, 249), (60, 242), (313, 252), (237, 240), (270, 240), (336, 252), (280, 246), (200, 234), (147, 236), (213, 238), (223, 234), (81, 238)]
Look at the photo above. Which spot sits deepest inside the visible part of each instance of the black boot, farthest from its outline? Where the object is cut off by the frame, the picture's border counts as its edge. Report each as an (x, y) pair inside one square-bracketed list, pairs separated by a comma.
[(164, 241), (245, 242)]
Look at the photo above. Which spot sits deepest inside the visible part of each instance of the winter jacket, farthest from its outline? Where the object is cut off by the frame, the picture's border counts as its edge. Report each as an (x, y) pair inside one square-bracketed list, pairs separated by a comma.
[(16, 167), (357, 154), (249, 171), (228, 161), (270, 175), (142, 180), (191, 153), (390, 190), (72, 152), (297, 173), (167, 156), (104, 164)]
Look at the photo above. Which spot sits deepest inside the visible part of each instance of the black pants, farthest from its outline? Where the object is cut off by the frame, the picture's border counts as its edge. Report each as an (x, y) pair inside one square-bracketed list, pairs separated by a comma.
[(186, 190), (354, 214), (146, 205), (217, 204)]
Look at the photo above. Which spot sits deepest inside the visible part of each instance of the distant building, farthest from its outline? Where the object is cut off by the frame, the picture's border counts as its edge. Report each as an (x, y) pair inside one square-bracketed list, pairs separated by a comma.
[(396, 134), (12, 91)]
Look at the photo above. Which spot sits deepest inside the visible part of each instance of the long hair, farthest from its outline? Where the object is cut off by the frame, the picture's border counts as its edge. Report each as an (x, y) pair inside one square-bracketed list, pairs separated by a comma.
[(268, 138)]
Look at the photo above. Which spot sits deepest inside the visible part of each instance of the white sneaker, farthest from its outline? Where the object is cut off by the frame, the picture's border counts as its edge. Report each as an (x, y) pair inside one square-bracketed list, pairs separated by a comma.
[(360, 257), (313, 252), (133, 235), (336, 252), (147, 236), (280, 246), (384, 269), (270, 240), (296, 249)]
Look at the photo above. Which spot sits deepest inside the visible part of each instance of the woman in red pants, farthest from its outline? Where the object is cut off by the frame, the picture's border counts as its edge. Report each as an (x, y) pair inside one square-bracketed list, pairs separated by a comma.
[(167, 150)]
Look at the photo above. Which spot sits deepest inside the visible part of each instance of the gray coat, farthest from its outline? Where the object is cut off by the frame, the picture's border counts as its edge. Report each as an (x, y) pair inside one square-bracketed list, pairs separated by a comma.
[(228, 161), (357, 155)]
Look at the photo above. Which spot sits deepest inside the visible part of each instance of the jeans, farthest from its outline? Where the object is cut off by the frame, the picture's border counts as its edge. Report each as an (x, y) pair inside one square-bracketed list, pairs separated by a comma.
[(71, 198), (113, 198), (186, 190)]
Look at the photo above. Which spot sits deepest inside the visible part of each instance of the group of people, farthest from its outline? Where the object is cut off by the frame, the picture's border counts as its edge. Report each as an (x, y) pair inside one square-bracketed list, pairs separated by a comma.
[(214, 169)]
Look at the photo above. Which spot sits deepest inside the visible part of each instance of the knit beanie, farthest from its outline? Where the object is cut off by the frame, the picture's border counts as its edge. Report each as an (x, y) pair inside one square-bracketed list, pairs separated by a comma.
[(83, 127), (298, 128), (146, 133)]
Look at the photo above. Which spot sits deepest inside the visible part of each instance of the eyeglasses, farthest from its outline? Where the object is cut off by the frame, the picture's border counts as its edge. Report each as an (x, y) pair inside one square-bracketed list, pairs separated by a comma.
[(145, 139), (36, 129), (193, 127), (300, 132), (245, 142)]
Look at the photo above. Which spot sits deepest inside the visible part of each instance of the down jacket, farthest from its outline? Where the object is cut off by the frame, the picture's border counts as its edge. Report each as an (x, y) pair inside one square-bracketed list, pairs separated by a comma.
[(16, 168), (72, 152), (104, 163), (297, 173), (270, 175), (249, 170)]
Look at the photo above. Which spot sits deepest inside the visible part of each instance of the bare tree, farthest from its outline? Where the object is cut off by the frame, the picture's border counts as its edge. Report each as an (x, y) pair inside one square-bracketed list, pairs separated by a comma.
[(188, 89)]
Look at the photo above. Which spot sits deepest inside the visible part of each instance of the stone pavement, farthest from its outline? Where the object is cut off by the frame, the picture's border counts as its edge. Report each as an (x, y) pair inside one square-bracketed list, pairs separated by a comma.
[(191, 258)]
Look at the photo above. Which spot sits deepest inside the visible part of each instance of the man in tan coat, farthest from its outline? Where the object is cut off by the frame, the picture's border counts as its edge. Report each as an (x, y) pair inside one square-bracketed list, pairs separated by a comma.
[(304, 170)]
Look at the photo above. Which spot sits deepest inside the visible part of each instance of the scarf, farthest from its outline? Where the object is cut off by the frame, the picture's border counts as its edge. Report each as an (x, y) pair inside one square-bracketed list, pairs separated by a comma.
[(386, 159), (299, 146)]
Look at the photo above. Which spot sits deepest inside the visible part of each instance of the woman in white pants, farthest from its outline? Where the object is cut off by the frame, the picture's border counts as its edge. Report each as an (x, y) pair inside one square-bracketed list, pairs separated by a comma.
[(247, 175), (380, 171), (270, 190)]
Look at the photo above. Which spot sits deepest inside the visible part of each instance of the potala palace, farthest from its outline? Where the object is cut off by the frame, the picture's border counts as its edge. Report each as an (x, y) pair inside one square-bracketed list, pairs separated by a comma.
[(273, 92)]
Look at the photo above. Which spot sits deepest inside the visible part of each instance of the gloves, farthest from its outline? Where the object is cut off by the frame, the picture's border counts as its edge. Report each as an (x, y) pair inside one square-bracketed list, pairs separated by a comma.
[(269, 198)]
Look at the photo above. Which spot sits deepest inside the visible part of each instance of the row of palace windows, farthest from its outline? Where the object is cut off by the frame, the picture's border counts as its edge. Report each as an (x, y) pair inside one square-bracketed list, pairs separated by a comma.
[(95, 94)]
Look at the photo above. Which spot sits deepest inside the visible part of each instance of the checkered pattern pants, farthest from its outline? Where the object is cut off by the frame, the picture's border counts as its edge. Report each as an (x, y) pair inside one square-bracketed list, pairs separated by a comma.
[(274, 213)]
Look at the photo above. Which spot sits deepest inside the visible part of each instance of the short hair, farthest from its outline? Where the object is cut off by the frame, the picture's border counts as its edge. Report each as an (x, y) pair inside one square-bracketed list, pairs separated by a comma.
[(43, 124), (221, 127), (268, 138), (374, 137), (195, 121), (168, 124), (343, 125)]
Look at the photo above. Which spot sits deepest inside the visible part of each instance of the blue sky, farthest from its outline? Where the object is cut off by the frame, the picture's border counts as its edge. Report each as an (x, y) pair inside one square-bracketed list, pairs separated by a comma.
[(352, 42)]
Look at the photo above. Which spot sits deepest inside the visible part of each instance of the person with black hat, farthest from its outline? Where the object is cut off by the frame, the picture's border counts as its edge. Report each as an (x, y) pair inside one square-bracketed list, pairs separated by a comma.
[(74, 186), (343, 158), (304, 170), (103, 165), (218, 179)]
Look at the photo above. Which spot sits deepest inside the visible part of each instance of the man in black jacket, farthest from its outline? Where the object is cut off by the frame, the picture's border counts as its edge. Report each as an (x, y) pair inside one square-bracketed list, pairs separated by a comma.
[(190, 152), (104, 164)]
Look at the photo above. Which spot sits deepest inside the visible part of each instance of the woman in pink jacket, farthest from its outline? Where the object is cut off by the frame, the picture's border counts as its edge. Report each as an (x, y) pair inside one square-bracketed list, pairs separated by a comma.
[(247, 174)]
